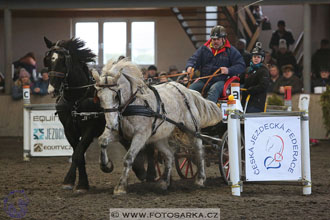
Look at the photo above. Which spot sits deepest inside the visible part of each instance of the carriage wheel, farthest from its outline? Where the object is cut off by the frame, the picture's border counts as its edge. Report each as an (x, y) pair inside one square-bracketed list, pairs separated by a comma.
[(224, 158), (185, 163)]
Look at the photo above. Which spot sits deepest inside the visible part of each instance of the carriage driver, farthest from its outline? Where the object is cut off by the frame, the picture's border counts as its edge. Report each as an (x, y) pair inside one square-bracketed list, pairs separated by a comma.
[(214, 54)]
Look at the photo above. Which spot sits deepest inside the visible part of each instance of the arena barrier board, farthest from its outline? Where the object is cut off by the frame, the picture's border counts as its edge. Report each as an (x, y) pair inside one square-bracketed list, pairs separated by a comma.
[(276, 146), (43, 132)]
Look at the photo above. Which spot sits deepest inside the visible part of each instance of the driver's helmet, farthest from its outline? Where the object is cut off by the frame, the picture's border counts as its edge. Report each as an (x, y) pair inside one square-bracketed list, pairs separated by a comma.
[(218, 32)]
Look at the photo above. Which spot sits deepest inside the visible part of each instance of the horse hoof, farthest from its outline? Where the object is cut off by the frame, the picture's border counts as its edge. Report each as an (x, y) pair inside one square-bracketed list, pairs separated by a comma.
[(67, 187), (141, 175), (162, 185), (108, 168), (81, 191), (119, 191), (200, 182)]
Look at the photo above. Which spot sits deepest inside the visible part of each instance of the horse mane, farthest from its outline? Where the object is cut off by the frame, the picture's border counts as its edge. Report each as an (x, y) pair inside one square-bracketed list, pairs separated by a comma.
[(127, 68), (75, 47)]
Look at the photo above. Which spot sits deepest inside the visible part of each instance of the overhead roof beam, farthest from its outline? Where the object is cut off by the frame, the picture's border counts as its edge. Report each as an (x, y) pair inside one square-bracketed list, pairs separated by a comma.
[(74, 4)]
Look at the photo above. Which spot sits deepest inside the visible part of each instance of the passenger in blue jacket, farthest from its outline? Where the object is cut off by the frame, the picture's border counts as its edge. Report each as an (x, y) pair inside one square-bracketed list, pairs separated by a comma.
[(214, 54)]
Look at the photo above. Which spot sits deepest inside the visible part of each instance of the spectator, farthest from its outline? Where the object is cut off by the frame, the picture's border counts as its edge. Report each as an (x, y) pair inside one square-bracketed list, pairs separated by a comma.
[(280, 33), (260, 18), (23, 79), (173, 70), (121, 57), (255, 81), (288, 79), (284, 57), (152, 75), (184, 79), (28, 62), (2, 83), (41, 86), (144, 73), (241, 47), (216, 53), (321, 58), (163, 77), (269, 60), (324, 79), (274, 77)]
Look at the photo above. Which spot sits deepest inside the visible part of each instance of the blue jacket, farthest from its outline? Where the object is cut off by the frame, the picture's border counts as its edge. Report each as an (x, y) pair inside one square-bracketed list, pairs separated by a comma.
[(43, 85), (204, 60)]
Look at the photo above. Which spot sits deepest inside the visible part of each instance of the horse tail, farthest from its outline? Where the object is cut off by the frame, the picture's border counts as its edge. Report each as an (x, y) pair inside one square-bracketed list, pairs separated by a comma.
[(205, 111), (209, 113)]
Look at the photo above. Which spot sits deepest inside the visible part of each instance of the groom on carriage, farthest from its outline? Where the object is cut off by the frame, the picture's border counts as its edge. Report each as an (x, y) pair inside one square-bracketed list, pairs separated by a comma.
[(218, 59)]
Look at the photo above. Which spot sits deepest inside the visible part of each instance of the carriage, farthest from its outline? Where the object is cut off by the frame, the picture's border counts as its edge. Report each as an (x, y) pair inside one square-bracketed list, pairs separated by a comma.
[(215, 151), (60, 61)]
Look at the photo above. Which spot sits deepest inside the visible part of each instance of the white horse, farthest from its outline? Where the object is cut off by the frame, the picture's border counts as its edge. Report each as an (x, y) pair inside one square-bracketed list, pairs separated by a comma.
[(121, 89)]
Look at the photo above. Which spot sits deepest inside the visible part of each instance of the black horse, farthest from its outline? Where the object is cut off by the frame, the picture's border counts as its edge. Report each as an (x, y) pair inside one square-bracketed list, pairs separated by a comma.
[(79, 113)]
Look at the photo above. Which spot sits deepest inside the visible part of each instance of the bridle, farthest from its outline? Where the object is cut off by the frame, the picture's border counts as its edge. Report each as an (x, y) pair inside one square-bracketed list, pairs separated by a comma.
[(67, 55), (63, 75), (118, 96), (121, 108)]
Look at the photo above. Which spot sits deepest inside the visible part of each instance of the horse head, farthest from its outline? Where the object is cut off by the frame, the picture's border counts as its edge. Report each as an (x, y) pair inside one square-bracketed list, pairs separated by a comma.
[(57, 60), (115, 86), (64, 58), (109, 95)]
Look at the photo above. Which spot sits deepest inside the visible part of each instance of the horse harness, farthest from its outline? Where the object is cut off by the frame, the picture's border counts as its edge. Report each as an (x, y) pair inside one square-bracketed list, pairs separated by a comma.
[(145, 110), (126, 109), (67, 105)]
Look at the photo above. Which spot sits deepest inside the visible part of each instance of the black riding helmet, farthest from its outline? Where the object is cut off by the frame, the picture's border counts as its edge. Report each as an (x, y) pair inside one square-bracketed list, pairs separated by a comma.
[(258, 51), (218, 32)]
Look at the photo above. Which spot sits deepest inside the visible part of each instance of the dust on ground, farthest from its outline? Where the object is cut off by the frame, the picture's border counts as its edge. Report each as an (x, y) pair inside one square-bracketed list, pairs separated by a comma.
[(41, 180)]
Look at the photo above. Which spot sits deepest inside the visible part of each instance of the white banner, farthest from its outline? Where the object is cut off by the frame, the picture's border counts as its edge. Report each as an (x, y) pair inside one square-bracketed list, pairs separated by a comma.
[(47, 136), (272, 148)]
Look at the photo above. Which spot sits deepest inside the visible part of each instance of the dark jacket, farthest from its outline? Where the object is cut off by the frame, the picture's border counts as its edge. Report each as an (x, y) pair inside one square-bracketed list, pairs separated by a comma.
[(275, 40), (17, 92), (246, 57), (272, 84), (286, 58), (30, 68), (256, 82), (320, 82), (204, 61), (320, 59), (293, 81)]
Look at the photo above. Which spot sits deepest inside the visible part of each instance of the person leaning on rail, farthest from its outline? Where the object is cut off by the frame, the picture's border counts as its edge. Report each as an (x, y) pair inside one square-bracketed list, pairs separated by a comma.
[(216, 53)]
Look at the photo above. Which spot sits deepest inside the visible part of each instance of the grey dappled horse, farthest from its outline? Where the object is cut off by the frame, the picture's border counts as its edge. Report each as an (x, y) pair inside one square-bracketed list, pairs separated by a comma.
[(121, 86)]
